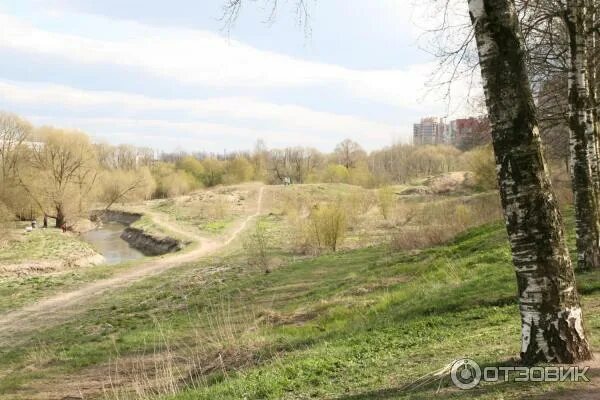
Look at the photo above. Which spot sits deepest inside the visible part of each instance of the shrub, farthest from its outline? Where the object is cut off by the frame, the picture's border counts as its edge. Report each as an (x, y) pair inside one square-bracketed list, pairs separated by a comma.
[(385, 197), (192, 166), (436, 223), (238, 170), (481, 162), (172, 182), (327, 225), (336, 173), (361, 176), (213, 171), (256, 246)]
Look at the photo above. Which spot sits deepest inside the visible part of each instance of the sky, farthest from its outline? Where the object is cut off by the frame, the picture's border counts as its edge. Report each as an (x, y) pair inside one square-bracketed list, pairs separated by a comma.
[(172, 76)]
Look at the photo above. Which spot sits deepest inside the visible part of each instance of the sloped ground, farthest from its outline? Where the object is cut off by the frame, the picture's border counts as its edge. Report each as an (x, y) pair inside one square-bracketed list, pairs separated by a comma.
[(43, 251), (363, 324)]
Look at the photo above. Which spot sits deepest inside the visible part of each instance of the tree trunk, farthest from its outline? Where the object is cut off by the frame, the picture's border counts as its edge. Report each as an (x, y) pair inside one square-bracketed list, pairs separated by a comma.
[(60, 216), (583, 144), (552, 324), (591, 57)]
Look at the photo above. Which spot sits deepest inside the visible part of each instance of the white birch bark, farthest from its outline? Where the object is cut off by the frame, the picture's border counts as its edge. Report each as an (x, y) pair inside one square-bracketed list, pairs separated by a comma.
[(552, 325), (582, 138)]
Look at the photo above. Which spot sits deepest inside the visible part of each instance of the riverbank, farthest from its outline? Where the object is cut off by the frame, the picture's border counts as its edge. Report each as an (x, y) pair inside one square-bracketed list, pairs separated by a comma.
[(139, 232), (44, 251)]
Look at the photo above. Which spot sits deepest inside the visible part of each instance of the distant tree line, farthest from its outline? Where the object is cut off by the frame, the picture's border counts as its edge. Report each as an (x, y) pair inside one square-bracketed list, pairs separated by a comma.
[(58, 174)]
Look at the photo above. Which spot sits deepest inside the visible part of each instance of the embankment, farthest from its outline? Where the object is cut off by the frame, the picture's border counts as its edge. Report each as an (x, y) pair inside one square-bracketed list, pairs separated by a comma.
[(148, 244)]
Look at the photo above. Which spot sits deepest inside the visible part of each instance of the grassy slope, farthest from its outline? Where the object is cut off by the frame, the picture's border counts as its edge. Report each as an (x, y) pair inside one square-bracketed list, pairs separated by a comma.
[(355, 325), (44, 244)]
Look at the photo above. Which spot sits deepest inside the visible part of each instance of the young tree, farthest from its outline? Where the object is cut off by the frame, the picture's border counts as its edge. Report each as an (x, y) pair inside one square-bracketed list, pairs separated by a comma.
[(239, 170), (192, 166), (327, 225), (385, 196), (551, 317), (213, 171), (13, 133), (125, 185)]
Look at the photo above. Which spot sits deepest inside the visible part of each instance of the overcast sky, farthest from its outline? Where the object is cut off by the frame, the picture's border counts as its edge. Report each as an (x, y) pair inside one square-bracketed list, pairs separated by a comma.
[(165, 74)]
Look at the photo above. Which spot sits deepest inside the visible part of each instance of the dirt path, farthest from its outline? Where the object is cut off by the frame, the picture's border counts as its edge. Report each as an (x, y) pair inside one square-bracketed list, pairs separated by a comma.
[(59, 308)]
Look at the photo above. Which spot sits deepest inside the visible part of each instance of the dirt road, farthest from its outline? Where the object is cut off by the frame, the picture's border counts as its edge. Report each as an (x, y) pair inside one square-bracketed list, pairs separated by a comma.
[(59, 308)]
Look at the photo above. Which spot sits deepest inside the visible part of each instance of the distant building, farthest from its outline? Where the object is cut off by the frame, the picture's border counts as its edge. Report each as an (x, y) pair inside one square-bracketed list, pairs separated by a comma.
[(466, 133), (430, 130)]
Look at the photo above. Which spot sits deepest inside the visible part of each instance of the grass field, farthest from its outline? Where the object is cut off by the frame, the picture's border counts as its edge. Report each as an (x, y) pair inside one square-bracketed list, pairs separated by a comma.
[(43, 244), (361, 324)]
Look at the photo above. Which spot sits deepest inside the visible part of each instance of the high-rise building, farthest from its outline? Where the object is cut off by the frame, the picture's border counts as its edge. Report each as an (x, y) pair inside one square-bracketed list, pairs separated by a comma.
[(466, 133), (463, 133), (430, 130)]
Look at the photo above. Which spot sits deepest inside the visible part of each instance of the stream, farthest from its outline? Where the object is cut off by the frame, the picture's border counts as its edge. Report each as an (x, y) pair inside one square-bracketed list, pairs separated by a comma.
[(107, 241)]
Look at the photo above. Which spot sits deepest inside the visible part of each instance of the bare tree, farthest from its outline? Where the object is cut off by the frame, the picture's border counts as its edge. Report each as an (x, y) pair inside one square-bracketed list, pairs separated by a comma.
[(551, 317), (59, 167), (13, 132), (349, 152)]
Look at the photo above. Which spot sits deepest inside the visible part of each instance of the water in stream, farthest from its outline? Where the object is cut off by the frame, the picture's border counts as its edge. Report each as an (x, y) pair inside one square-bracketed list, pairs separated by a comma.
[(107, 241)]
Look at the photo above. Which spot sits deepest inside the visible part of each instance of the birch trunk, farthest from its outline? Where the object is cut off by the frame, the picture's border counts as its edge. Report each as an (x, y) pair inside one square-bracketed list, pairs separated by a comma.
[(551, 318), (582, 139), (590, 45)]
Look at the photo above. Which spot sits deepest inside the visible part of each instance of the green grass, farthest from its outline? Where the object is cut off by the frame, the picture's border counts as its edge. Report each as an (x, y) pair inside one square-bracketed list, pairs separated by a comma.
[(215, 226), (44, 244), (18, 291), (146, 224), (355, 325)]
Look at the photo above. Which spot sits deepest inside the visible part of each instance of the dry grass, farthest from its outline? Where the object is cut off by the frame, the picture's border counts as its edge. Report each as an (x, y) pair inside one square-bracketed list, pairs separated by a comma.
[(385, 216), (223, 342), (436, 222)]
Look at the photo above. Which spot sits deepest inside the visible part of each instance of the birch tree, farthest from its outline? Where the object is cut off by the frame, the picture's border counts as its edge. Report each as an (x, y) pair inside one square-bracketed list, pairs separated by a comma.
[(552, 327), (582, 139)]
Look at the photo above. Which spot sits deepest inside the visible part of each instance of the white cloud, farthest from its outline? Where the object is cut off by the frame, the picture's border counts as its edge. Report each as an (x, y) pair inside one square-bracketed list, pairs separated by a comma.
[(238, 117), (204, 58)]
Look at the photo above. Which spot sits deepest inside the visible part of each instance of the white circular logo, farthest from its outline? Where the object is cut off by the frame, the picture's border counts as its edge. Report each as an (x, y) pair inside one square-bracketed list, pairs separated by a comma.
[(465, 373)]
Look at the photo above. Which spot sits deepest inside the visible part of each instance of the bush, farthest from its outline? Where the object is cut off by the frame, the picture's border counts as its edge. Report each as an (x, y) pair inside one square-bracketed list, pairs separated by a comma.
[(385, 196), (436, 223), (192, 166), (172, 182), (481, 162), (238, 170), (256, 246), (213, 171), (327, 224), (125, 185), (361, 176), (335, 173)]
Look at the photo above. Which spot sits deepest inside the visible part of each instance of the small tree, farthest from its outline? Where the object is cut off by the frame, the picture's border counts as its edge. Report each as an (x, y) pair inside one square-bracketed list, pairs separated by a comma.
[(213, 171), (192, 166), (327, 226), (481, 162), (256, 247), (239, 170), (385, 196), (336, 173), (120, 186)]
